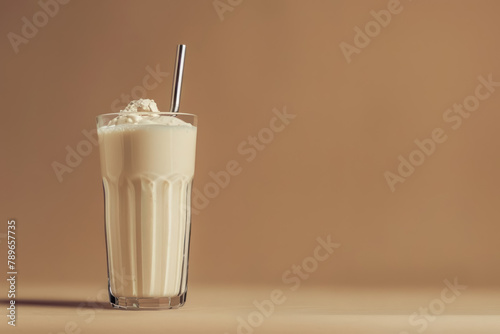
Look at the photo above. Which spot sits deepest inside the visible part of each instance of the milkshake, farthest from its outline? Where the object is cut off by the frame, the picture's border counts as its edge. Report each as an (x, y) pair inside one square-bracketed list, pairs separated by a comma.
[(147, 164)]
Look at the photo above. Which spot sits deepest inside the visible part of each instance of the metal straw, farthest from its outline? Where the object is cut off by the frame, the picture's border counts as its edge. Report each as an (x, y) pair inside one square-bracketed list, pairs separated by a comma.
[(177, 83)]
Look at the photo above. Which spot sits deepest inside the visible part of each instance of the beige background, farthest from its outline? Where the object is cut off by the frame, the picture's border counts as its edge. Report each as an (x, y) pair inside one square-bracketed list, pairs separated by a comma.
[(323, 175)]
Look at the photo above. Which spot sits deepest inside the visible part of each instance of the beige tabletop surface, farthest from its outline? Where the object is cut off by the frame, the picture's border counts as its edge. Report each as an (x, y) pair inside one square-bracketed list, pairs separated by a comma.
[(233, 309)]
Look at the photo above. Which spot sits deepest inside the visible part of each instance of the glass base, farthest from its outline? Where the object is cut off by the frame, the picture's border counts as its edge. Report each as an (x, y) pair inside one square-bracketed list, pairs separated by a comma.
[(160, 303)]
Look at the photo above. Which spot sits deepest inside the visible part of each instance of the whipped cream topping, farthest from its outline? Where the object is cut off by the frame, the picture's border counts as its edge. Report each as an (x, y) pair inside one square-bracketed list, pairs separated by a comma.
[(141, 105), (129, 115)]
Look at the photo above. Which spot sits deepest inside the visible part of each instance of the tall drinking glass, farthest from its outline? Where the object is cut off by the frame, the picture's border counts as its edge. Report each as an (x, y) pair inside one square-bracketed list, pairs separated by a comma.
[(147, 165)]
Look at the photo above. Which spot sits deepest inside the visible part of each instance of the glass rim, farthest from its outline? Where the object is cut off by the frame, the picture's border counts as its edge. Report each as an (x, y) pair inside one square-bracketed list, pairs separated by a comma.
[(150, 113)]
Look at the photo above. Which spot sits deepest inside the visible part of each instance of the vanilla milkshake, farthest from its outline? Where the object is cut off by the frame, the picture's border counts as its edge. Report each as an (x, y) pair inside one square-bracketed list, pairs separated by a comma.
[(147, 164)]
